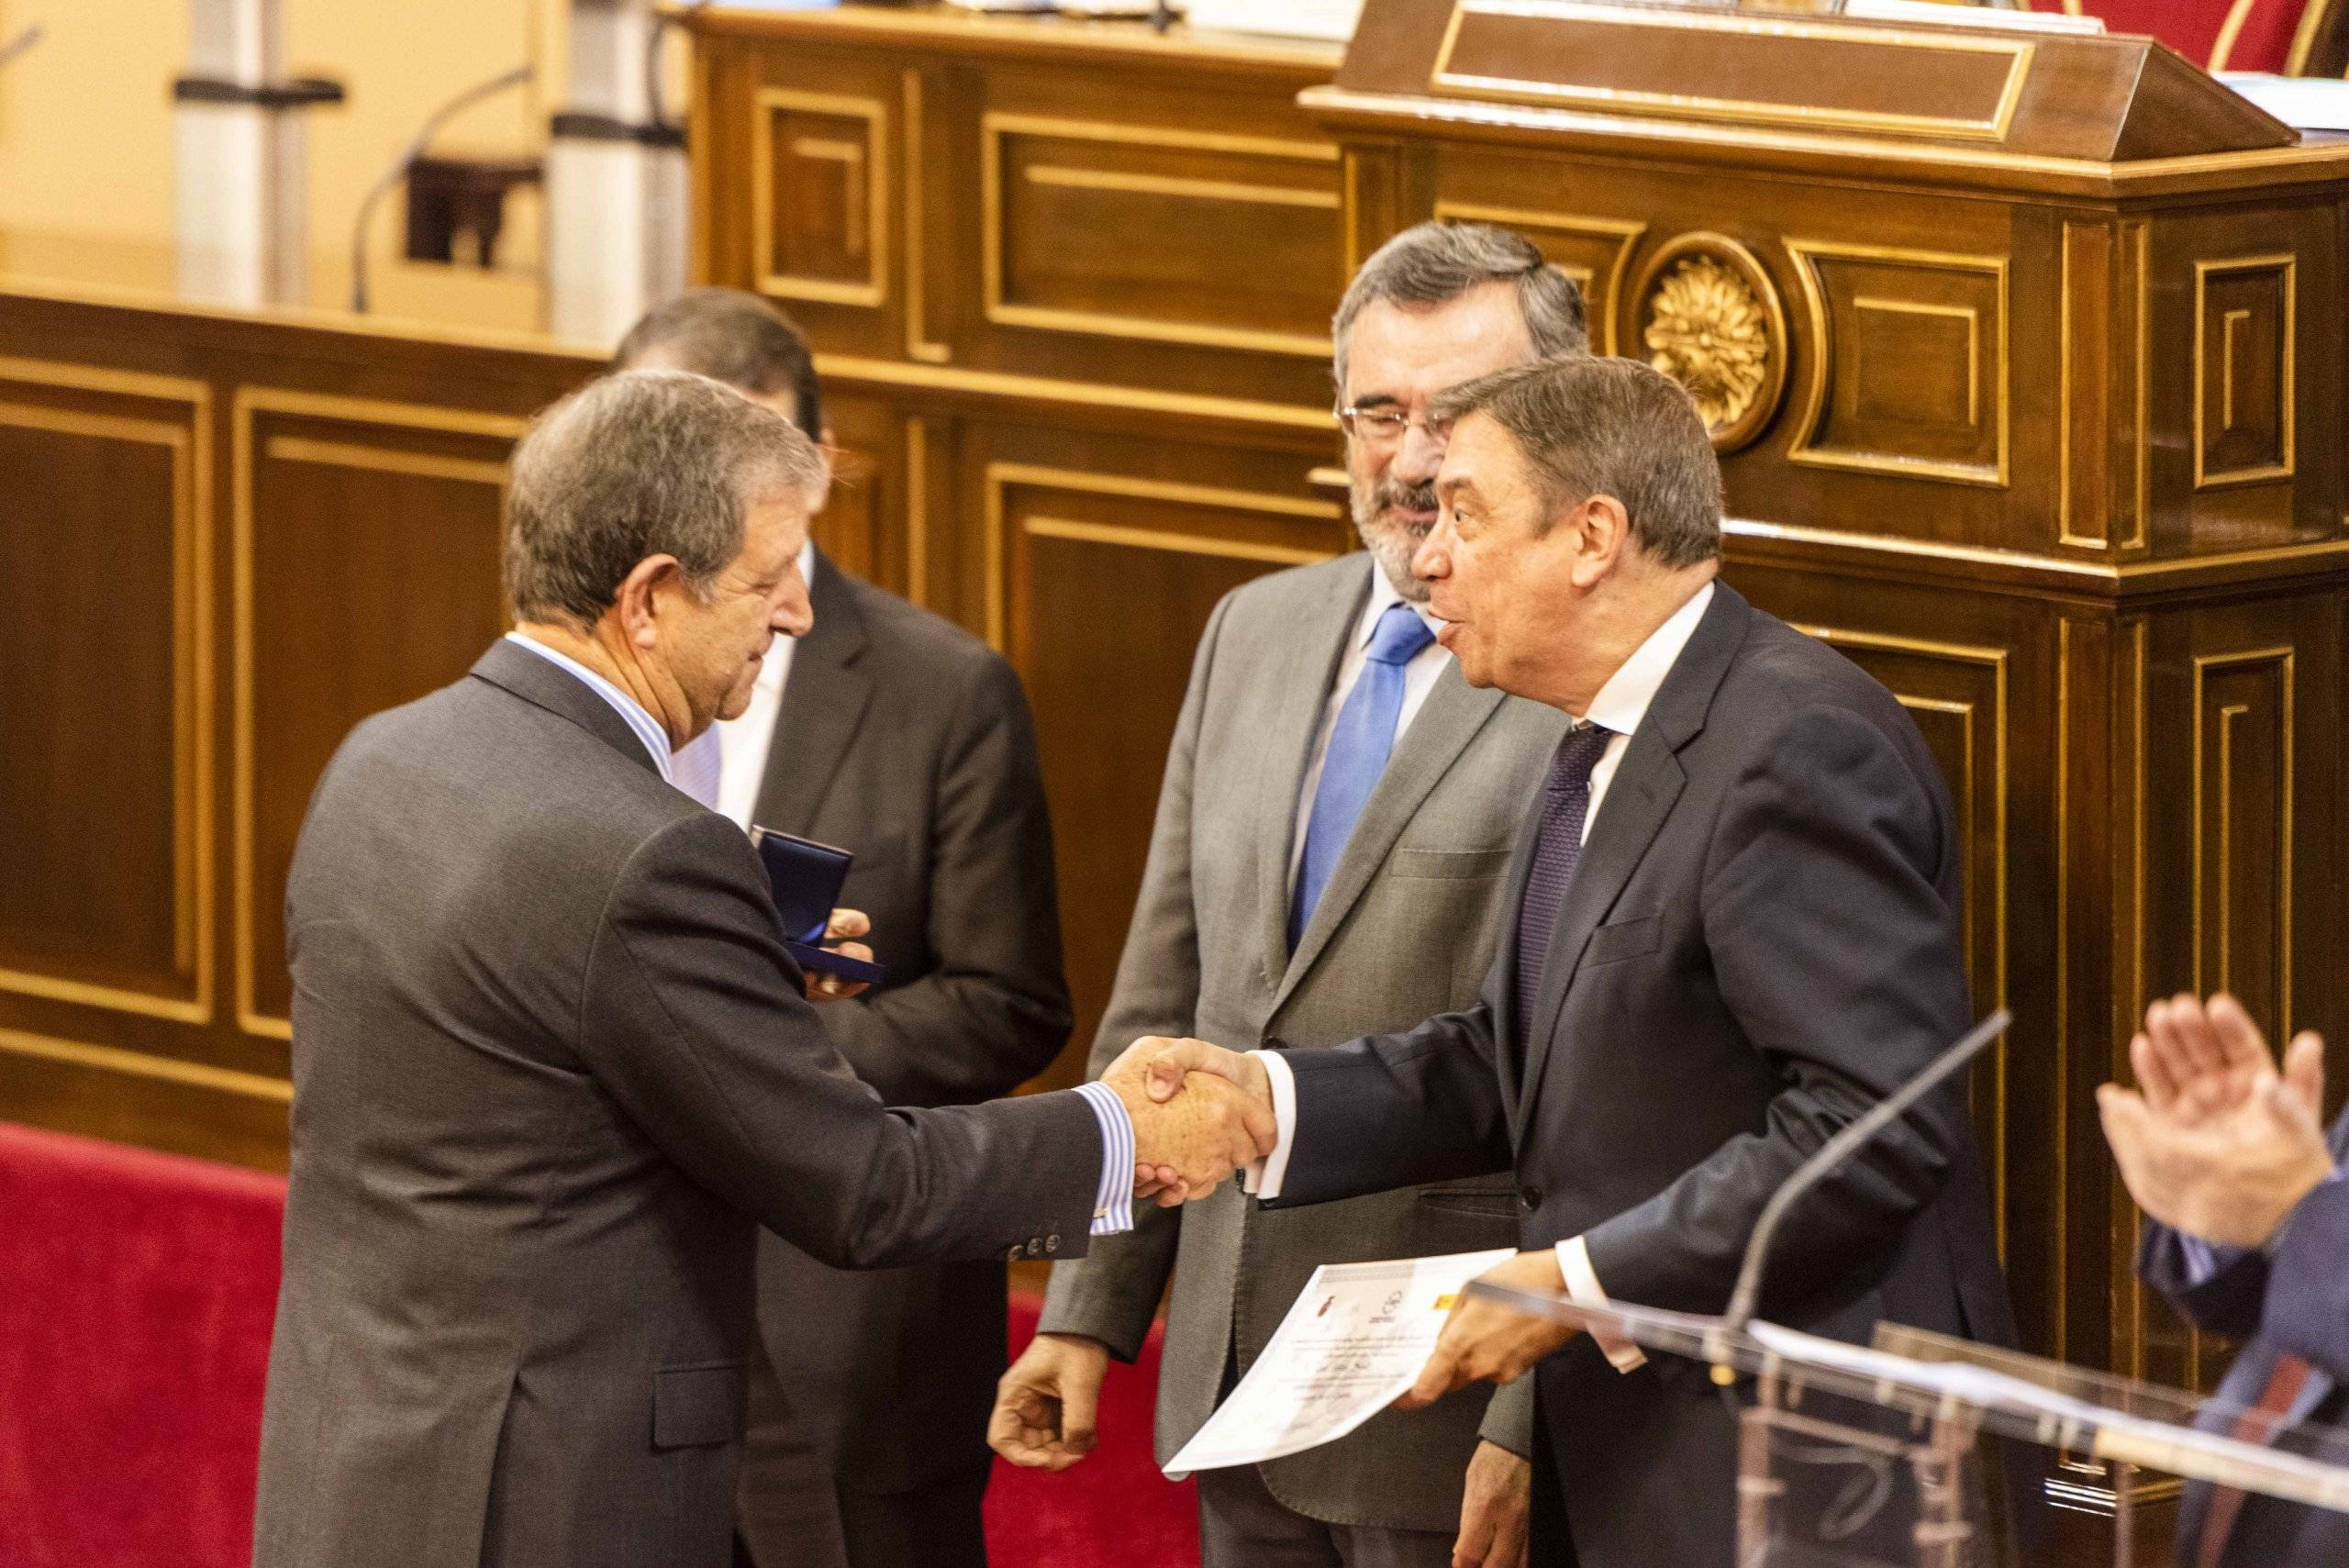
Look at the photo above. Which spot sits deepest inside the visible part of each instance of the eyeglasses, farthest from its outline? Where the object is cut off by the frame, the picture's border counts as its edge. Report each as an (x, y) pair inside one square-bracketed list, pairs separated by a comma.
[(1383, 427)]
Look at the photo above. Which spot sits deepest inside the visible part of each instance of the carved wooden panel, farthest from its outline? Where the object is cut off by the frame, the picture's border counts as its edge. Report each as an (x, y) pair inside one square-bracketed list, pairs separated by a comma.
[(105, 669), (1244, 233), (1909, 361), (1099, 585), (820, 197), (2245, 316), (367, 574)]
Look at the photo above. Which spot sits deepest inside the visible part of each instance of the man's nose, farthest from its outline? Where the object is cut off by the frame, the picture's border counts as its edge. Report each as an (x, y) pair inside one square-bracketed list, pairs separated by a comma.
[(1433, 561), (1421, 455), (794, 616)]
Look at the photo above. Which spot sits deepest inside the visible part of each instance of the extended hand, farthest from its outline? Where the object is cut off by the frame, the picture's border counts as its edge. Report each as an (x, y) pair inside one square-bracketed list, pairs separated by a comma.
[(1189, 1133), (2219, 1145), (2196, 1064), (1044, 1405), (1493, 1510), (1483, 1340)]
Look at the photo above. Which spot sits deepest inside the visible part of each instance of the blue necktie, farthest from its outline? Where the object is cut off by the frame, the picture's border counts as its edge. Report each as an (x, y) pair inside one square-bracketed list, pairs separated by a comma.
[(1359, 743), (1564, 806), (694, 767)]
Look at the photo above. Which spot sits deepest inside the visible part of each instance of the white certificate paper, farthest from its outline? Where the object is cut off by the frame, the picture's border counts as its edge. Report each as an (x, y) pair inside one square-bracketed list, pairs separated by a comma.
[(1354, 1341)]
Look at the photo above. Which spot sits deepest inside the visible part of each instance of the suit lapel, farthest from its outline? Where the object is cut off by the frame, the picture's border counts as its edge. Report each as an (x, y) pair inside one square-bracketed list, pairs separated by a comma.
[(1646, 785), (546, 684), (1453, 715), (824, 700), (1302, 694)]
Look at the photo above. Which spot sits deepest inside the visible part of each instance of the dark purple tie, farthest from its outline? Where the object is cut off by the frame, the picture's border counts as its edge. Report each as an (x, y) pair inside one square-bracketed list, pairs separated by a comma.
[(1566, 805)]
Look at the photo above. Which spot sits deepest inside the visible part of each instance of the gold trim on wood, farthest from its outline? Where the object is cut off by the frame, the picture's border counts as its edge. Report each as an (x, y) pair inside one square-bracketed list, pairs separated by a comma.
[(2285, 659), (194, 729), (995, 125), (1703, 272), (1806, 252), (1089, 395), (1068, 177), (379, 460), (1001, 476), (2125, 283), (874, 203), (917, 437), (248, 402), (2314, 553), (1626, 235), (2212, 479), (146, 1064), (1442, 80), (1167, 539), (920, 345)]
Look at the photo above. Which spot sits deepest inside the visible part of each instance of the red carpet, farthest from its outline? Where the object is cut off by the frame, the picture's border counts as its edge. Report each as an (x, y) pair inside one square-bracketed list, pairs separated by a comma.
[(136, 1294)]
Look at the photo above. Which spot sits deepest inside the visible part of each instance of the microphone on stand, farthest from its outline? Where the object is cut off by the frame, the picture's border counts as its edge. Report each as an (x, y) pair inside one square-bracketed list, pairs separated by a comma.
[(21, 43), (407, 161), (1832, 1154)]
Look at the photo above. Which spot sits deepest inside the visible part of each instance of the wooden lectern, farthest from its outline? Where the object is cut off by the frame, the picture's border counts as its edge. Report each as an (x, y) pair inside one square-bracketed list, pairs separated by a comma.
[(2022, 351)]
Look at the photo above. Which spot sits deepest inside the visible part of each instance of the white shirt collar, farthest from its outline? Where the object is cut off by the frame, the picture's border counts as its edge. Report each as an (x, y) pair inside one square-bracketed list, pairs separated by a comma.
[(642, 723), (1624, 700)]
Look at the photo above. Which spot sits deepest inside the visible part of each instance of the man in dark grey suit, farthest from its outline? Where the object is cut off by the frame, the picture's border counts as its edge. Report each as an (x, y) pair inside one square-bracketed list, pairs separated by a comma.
[(896, 735), (1733, 928), (2248, 1235), (1268, 911), (552, 1066)]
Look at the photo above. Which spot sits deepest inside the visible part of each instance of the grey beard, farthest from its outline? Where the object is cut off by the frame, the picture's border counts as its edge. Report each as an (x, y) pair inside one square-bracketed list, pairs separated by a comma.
[(1393, 545)]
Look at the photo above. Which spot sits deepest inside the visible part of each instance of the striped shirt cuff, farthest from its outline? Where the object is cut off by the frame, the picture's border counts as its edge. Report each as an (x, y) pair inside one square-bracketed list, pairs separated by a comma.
[(1113, 1201)]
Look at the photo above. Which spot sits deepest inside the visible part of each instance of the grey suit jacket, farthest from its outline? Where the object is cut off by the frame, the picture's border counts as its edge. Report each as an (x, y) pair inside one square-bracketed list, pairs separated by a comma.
[(906, 739), (1761, 942), (550, 1067), (1406, 926)]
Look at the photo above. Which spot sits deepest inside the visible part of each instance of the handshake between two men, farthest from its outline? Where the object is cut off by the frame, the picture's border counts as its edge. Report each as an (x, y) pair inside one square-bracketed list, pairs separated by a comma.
[(1200, 1114)]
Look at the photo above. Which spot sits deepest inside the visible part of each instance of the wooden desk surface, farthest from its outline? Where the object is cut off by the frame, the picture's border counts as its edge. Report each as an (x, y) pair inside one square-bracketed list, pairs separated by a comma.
[(950, 29)]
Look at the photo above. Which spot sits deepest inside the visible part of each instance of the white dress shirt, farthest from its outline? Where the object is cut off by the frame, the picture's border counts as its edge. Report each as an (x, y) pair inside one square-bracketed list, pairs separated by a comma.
[(743, 743), (1419, 676), (1621, 706)]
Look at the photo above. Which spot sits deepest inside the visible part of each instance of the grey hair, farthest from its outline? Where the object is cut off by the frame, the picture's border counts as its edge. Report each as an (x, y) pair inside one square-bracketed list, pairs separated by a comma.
[(1608, 427), (642, 463), (733, 337), (1430, 263)]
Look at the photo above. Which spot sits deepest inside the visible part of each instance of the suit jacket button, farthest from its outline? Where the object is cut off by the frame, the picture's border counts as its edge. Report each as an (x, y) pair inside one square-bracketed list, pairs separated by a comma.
[(1035, 1247), (1052, 1244), (1528, 1198), (1014, 1255)]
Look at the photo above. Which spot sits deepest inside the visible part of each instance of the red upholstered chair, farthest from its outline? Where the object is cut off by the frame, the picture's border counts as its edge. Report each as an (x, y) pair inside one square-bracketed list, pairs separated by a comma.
[(136, 1295), (2220, 35), (1115, 1508)]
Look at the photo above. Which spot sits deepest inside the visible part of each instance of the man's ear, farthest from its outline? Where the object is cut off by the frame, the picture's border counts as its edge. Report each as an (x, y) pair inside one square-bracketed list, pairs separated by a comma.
[(639, 601), (1601, 535)]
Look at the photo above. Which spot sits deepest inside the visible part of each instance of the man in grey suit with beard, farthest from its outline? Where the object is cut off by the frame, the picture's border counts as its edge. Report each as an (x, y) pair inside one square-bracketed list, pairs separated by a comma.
[(553, 1065), (1333, 830), (898, 736)]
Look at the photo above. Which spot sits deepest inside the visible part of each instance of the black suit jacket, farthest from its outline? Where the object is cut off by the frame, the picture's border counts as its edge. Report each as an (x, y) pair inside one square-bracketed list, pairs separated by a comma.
[(1761, 942), (2296, 1300), (908, 740), (551, 1069)]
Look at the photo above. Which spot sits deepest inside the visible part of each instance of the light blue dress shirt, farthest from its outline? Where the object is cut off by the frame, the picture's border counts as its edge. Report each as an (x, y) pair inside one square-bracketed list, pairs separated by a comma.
[(1113, 1201)]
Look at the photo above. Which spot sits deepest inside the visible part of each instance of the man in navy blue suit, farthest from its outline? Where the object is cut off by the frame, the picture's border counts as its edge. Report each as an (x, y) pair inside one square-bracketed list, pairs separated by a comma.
[(2250, 1230)]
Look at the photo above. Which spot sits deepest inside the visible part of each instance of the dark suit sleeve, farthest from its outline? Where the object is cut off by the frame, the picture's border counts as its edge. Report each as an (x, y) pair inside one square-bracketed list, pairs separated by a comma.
[(995, 1010), (1399, 1110), (2295, 1292), (1836, 952), (691, 1018), (1113, 1294)]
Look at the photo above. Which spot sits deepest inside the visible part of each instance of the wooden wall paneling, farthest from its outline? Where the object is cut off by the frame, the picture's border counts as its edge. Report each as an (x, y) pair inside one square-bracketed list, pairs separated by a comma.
[(366, 567), (1098, 577), (105, 681)]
